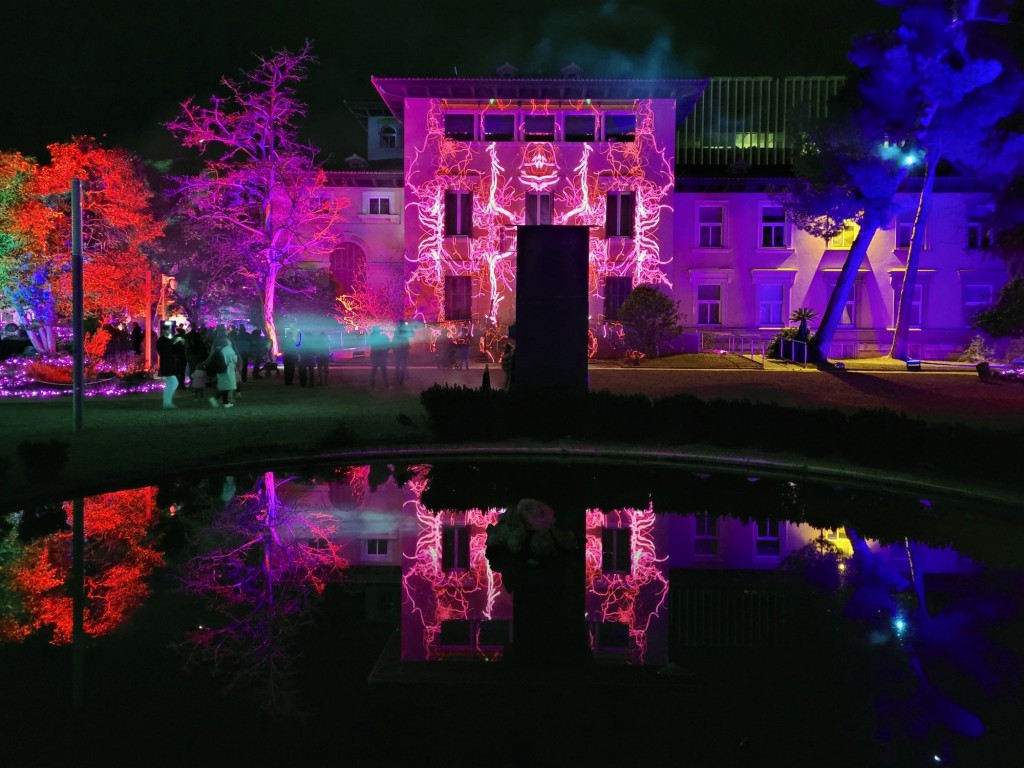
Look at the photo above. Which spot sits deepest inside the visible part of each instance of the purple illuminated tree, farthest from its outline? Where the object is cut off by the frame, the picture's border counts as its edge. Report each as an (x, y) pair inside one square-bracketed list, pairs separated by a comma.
[(260, 574), (261, 192)]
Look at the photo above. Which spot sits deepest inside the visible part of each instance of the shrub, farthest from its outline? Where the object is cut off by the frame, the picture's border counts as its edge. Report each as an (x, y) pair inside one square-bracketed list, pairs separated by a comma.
[(977, 351), (650, 318)]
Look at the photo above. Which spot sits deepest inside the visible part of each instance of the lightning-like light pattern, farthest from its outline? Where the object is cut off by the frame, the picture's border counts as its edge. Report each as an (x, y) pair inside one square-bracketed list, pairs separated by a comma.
[(437, 595), (633, 598), (578, 175)]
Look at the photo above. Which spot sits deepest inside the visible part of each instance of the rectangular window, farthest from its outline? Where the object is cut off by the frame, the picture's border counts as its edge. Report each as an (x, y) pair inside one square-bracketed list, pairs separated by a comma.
[(709, 304), (458, 303), (455, 548), (848, 316), (379, 205), (844, 240), (705, 534), (773, 226), (580, 127), (377, 547), (615, 550), (710, 219), (500, 127), (458, 213), (904, 229), (916, 307), (616, 289), (976, 299), (618, 220), (767, 539), (620, 126), (770, 301), (539, 128), (459, 126), (977, 231), (538, 208)]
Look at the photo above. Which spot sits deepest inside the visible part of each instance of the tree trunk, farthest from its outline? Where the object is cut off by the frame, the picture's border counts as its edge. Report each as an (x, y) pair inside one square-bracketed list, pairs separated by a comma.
[(924, 204), (268, 299), (41, 337), (841, 293)]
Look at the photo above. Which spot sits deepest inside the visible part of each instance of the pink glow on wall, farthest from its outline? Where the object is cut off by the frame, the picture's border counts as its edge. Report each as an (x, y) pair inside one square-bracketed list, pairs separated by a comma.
[(633, 598), (436, 595), (577, 174)]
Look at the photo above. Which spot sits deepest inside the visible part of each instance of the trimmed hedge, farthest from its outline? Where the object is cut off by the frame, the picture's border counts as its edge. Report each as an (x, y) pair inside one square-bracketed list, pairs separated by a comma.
[(880, 438)]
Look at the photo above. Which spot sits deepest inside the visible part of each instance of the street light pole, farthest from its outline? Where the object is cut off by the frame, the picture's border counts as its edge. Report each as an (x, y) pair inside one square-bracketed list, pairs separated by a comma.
[(77, 300)]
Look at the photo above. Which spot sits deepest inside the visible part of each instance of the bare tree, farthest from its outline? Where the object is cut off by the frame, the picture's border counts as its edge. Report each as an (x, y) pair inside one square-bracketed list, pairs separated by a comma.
[(261, 189)]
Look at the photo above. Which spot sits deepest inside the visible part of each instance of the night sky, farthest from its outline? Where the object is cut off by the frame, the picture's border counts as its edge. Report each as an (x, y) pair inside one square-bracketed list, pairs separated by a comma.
[(117, 69)]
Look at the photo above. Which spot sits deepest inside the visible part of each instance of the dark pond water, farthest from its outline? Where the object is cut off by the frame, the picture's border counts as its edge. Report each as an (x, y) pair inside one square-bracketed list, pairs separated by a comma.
[(513, 614)]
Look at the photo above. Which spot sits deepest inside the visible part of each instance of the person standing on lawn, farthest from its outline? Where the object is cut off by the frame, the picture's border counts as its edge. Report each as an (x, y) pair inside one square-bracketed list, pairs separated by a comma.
[(227, 379), (167, 349)]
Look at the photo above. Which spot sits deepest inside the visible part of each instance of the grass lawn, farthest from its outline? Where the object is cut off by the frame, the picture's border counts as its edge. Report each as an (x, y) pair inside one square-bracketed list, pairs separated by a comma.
[(132, 440)]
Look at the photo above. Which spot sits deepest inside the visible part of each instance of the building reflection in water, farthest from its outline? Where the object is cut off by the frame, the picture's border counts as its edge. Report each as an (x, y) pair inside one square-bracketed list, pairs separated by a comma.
[(453, 605)]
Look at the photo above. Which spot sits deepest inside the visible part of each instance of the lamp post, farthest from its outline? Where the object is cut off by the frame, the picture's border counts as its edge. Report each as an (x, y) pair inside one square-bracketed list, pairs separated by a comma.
[(77, 313)]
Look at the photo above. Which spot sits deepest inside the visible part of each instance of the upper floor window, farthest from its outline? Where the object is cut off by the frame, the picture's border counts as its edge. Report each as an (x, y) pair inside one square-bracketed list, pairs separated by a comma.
[(844, 239), (705, 534), (616, 290), (615, 556), (538, 208), (710, 225), (378, 204), (977, 231), (619, 215), (539, 128), (499, 126), (458, 213), (455, 548), (377, 548), (767, 539), (580, 127), (904, 228), (460, 126), (388, 137), (619, 126), (773, 226)]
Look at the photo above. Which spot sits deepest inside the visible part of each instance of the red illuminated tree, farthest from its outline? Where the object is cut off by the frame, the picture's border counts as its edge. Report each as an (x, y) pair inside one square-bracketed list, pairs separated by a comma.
[(118, 226), (261, 192), (119, 554)]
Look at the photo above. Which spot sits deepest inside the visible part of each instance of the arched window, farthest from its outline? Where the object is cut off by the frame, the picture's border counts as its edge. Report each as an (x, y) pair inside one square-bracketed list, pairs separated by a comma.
[(348, 266), (388, 137)]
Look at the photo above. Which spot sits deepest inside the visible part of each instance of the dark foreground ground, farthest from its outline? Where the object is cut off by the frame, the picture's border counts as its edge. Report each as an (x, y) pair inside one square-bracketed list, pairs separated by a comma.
[(132, 439)]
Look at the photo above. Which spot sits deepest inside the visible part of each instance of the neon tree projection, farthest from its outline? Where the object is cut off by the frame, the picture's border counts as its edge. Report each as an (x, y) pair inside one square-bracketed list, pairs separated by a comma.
[(498, 175)]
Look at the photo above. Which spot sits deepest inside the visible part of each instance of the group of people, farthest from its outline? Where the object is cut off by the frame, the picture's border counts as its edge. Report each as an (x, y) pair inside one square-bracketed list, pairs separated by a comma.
[(309, 354), (398, 344), (224, 356), (224, 352)]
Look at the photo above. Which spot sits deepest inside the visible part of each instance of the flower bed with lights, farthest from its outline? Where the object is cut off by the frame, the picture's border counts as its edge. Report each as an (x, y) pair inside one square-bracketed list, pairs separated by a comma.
[(42, 377)]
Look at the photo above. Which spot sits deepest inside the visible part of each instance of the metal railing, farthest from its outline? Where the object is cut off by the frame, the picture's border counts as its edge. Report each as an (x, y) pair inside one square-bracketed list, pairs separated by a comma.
[(753, 347), (792, 349)]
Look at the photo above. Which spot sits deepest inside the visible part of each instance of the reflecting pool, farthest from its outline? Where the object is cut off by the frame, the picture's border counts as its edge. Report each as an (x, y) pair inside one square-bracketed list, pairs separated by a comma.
[(513, 613)]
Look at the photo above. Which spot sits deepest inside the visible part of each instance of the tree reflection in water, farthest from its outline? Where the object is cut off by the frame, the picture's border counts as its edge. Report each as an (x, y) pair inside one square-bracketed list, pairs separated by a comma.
[(262, 566), (120, 556)]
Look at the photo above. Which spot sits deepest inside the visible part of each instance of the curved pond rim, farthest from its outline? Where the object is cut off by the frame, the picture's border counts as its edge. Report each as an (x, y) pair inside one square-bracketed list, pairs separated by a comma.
[(779, 466)]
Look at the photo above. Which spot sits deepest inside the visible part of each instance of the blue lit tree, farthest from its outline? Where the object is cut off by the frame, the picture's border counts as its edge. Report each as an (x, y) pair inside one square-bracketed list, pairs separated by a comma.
[(845, 171), (943, 91)]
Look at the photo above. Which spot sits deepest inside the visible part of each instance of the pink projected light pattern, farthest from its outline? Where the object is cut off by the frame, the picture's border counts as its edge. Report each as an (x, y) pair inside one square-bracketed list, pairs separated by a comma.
[(633, 598), (638, 166)]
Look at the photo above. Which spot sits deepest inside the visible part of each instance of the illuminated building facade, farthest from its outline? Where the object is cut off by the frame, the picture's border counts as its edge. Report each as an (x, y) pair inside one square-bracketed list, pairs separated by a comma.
[(673, 178)]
